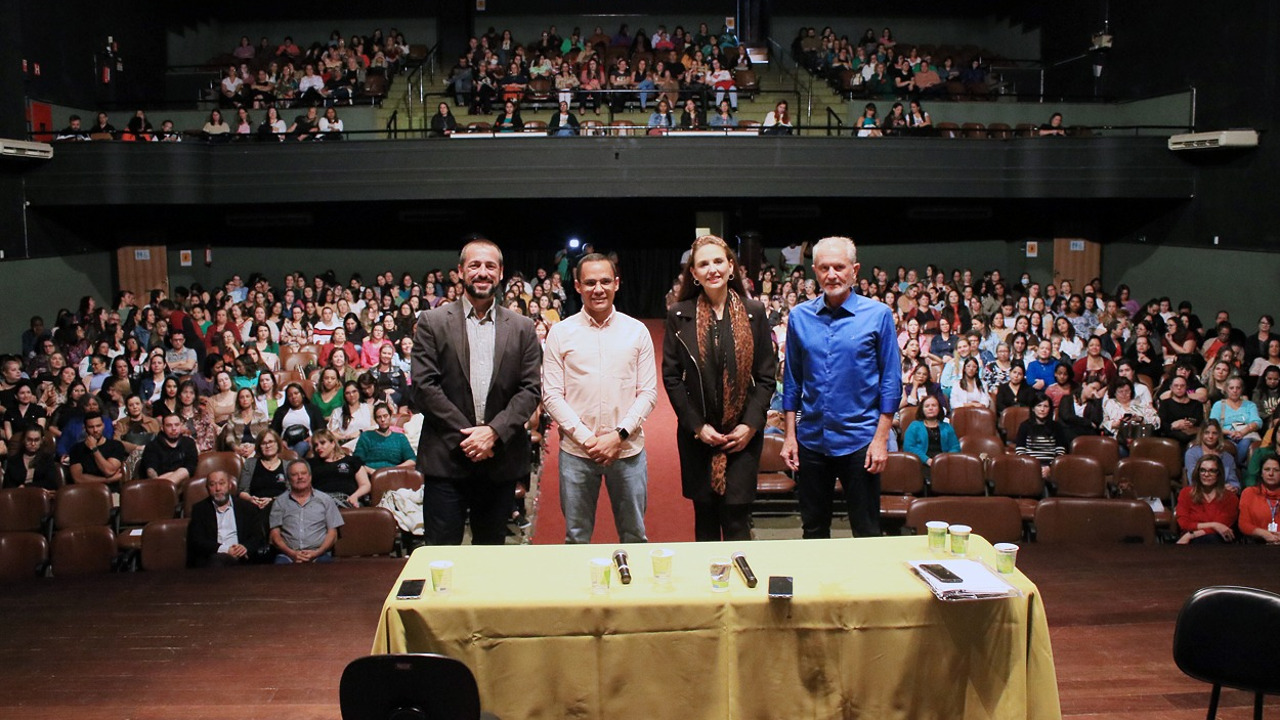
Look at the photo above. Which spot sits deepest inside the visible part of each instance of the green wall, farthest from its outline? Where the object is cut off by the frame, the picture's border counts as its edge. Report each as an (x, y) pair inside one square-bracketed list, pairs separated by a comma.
[(979, 255), (1244, 283), (275, 262), (42, 286)]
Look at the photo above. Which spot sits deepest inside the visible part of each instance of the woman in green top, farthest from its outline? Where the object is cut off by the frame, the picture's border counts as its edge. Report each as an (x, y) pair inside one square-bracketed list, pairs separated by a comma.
[(328, 396), (380, 447)]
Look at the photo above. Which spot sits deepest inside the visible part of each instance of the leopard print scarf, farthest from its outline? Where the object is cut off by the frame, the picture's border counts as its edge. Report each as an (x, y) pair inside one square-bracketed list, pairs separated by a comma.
[(737, 371)]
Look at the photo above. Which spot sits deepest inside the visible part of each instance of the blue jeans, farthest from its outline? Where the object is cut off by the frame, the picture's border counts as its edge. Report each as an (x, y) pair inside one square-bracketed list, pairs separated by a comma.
[(645, 87), (627, 480)]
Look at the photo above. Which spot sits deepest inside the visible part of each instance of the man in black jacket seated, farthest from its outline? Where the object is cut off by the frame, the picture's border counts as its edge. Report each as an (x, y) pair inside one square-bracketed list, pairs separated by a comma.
[(224, 529)]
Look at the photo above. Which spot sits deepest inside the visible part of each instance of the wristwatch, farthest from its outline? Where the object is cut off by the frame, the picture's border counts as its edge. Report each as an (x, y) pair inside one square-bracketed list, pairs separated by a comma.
[(622, 433)]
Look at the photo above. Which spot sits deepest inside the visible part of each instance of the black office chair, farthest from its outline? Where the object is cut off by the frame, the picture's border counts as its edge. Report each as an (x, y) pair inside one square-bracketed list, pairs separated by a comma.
[(1226, 636), (417, 686)]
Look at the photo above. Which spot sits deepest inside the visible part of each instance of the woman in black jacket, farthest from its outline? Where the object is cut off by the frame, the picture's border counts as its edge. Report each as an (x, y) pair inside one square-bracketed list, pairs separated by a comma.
[(719, 367), (33, 462), (1081, 413), (443, 123)]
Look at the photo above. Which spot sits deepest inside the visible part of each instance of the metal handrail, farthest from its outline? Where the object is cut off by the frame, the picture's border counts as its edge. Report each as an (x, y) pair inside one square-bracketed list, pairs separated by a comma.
[(802, 81), (833, 115), (393, 131)]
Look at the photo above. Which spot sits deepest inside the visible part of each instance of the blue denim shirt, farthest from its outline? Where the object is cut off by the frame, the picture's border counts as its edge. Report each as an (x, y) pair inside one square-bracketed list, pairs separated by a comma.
[(842, 372)]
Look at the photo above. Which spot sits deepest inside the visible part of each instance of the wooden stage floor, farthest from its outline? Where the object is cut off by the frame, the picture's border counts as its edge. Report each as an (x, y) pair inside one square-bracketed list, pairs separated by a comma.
[(271, 642)]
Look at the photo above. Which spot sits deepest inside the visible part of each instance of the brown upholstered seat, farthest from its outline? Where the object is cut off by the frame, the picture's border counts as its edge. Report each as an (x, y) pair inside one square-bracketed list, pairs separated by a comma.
[(23, 556), (774, 477), (23, 509), (1077, 476), (1104, 449), (995, 518), (957, 474), (82, 506), (83, 550), (142, 501), (973, 421), (366, 532), (164, 545), (901, 482), (385, 480), (1084, 520)]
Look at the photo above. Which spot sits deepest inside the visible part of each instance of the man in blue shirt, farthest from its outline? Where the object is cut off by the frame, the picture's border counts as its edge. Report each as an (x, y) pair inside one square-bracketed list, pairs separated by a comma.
[(1040, 370), (841, 388)]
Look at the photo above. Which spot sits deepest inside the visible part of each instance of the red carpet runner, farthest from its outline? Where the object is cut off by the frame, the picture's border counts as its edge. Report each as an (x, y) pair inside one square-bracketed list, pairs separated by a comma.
[(669, 517)]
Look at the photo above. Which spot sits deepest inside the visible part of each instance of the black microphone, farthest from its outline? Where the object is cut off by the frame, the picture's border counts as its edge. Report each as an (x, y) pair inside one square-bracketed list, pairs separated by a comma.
[(740, 562), (624, 571)]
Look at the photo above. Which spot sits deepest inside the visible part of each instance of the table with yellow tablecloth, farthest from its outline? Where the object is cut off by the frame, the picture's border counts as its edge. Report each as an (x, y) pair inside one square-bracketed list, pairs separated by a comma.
[(862, 638)]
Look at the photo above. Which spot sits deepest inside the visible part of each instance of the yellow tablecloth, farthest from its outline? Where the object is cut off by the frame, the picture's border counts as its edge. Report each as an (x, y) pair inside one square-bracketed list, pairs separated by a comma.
[(863, 637)]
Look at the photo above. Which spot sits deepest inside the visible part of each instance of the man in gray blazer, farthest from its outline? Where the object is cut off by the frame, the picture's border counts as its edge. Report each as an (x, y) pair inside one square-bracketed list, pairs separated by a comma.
[(476, 378)]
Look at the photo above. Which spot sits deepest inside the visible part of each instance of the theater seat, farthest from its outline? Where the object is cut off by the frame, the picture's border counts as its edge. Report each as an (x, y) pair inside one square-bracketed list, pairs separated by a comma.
[(23, 556), (385, 480), (774, 477), (164, 545), (141, 502), (23, 509), (1092, 521), (1077, 476), (82, 506), (1018, 477), (901, 482), (366, 532), (997, 519), (83, 551)]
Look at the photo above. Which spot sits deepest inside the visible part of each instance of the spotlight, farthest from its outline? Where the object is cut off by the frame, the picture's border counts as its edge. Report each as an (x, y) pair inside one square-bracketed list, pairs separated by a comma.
[(574, 243)]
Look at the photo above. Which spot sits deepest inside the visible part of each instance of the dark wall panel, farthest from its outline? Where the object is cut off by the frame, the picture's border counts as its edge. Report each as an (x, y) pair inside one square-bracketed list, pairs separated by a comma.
[(1227, 53)]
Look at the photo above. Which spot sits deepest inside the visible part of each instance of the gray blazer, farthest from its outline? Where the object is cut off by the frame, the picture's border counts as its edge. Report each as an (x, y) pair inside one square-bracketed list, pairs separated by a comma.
[(441, 373)]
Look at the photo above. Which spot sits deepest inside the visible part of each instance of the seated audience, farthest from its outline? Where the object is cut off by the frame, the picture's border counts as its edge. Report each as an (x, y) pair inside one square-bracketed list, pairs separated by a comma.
[(1210, 441), (225, 529), (342, 476), (381, 446), (1239, 419), (304, 523), (1206, 509), (172, 455), (1041, 436), (930, 433), (1258, 519)]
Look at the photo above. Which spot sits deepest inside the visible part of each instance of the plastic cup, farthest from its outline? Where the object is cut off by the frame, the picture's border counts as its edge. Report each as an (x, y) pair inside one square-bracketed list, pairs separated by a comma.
[(601, 575), (937, 535), (441, 575), (960, 539), (1006, 557), (720, 574), (662, 558)]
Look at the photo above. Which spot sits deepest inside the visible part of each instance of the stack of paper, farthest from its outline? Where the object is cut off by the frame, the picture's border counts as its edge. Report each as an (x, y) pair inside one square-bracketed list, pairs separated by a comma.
[(977, 582)]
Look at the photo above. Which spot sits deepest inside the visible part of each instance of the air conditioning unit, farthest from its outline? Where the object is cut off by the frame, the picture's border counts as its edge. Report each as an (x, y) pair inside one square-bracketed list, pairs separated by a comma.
[(25, 149), (1212, 140)]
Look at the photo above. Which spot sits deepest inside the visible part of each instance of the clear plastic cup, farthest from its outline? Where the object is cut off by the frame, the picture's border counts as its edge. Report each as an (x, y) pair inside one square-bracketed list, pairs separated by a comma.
[(441, 575), (720, 567), (601, 575), (960, 539), (662, 561)]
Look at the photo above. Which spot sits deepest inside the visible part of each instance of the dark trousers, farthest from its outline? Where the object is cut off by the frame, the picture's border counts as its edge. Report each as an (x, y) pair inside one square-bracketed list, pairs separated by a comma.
[(714, 520), (447, 503), (816, 491)]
